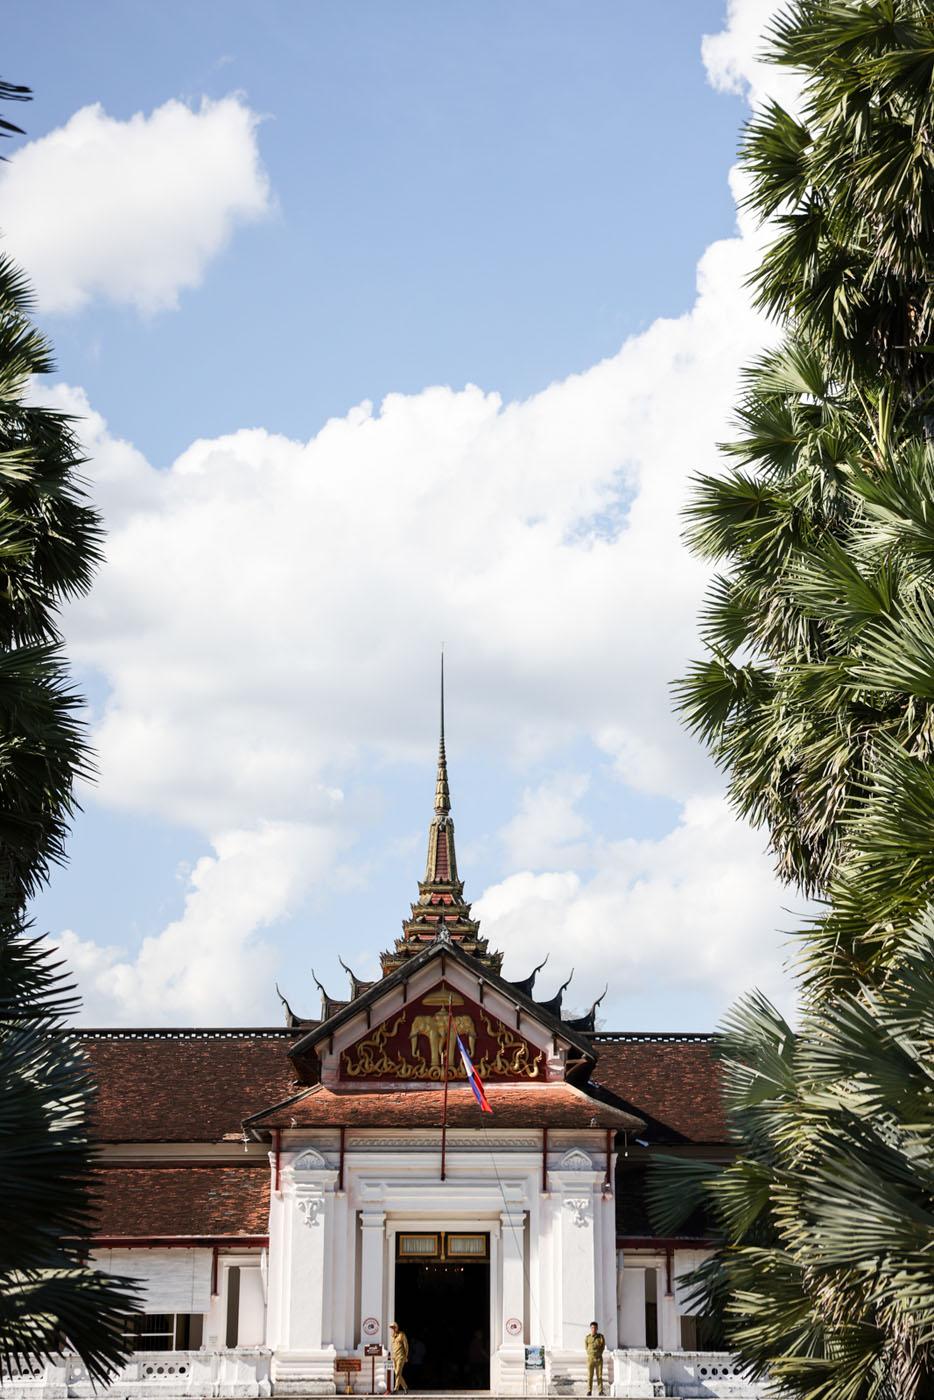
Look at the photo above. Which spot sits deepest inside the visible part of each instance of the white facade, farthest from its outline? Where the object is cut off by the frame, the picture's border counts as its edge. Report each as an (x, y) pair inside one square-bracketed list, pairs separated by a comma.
[(552, 1252)]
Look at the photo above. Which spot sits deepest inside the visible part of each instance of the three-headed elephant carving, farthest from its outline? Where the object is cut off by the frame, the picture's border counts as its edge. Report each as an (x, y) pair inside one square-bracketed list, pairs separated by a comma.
[(436, 1028), (428, 1025)]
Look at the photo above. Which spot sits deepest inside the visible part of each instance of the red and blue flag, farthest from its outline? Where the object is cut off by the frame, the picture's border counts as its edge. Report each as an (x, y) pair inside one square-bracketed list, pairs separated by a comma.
[(473, 1078)]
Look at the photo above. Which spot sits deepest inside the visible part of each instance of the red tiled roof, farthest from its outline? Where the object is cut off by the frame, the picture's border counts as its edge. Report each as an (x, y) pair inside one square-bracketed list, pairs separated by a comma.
[(150, 1201), (514, 1106), (191, 1087), (198, 1086), (672, 1080)]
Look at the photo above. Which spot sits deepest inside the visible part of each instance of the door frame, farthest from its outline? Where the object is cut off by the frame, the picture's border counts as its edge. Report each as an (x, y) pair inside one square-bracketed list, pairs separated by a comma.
[(481, 1225)]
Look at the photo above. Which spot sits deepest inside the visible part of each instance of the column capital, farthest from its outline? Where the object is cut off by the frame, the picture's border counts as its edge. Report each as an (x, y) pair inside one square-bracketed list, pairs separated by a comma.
[(372, 1219), (513, 1215)]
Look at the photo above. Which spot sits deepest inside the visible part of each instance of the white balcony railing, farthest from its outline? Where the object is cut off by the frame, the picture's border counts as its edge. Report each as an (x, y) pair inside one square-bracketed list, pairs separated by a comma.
[(238, 1374), (687, 1375)]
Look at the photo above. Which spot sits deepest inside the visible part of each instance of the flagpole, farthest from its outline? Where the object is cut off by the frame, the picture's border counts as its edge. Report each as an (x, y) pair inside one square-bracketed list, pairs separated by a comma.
[(444, 1110)]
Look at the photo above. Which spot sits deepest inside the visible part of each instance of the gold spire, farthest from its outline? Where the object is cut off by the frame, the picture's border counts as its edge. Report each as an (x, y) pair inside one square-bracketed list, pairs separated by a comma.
[(442, 791), (440, 904)]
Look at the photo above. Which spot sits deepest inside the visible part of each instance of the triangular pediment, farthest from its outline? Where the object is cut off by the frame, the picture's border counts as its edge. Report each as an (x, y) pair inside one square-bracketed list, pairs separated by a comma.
[(395, 1032), (418, 1043)]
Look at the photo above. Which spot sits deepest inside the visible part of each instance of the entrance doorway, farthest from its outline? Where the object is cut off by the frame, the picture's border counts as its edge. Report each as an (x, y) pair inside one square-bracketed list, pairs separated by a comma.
[(443, 1307)]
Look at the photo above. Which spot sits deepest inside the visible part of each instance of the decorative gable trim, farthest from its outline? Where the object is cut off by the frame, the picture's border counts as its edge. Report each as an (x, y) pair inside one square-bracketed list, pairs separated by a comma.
[(419, 1043)]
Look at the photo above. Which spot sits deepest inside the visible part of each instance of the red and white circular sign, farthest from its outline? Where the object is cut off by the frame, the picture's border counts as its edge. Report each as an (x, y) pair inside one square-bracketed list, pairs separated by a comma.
[(370, 1326), (513, 1326)]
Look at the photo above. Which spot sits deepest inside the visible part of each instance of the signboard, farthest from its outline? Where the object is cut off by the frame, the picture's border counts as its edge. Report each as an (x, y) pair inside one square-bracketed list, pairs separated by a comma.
[(372, 1349), (348, 1363), (535, 1358)]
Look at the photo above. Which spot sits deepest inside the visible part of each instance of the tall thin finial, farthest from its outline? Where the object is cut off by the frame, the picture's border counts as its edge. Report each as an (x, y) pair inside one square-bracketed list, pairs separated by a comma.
[(442, 793)]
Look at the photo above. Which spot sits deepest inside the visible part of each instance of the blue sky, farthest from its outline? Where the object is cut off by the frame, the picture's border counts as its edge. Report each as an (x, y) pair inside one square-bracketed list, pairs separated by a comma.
[(468, 192), (274, 217)]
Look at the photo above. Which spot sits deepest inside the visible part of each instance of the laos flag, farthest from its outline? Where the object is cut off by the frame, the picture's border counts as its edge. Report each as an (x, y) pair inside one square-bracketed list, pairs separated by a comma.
[(473, 1078)]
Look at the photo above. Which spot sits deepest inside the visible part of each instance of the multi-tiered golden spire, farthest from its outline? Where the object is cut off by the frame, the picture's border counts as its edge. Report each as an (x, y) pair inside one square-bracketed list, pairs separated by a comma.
[(440, 900)]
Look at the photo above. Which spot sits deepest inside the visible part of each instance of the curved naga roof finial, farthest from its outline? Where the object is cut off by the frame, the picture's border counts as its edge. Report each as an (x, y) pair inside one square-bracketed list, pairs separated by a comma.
[(526, 985), (587, 1022), (553, 1005), (357, 984), (290, 1017)]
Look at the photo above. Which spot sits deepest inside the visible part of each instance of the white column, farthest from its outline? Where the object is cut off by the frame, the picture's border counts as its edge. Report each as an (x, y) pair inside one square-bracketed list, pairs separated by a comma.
[(578, 1266), (576, 1196), (510, 1358), (372, 1304), (304, 1361)]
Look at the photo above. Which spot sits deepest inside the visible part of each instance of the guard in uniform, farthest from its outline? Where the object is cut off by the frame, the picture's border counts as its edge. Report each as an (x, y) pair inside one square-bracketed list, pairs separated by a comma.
[(399, 1351), (595, 1342)]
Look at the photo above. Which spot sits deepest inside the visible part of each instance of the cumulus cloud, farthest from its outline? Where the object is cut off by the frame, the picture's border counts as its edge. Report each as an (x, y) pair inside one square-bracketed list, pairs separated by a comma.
[(734, 57), (260, 592), (548, 828), (269, 616), (694, 915), (131, 211), (209, 966), (267, 607)]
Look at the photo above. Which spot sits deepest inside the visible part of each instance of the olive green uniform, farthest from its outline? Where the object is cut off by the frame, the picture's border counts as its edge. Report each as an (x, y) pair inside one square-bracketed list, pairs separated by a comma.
[(595, 1342), (399, 1350)]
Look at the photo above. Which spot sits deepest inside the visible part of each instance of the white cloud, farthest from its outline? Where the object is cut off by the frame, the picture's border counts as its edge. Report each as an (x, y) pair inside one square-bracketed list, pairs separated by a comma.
[(270, 611), (131, 211), (548, 829), (734, 56), (694, 914), (260, 592), (208, 966)]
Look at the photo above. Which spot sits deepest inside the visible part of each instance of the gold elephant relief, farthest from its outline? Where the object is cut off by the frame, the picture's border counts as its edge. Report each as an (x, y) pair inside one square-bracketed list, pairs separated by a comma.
[(434, 1028)]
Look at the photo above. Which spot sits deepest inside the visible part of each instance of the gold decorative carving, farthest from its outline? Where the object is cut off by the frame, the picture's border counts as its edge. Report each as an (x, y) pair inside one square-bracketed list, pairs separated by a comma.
[(411, 1046)]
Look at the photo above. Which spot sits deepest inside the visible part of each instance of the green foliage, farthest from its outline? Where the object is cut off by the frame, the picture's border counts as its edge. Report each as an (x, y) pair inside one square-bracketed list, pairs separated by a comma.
[(824, 1277), (817, 699), (49, 545), (49, 1298), (849, 186)]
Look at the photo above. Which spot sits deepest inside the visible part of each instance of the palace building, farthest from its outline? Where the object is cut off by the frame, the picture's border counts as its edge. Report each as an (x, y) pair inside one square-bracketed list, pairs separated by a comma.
[(284, 1194)]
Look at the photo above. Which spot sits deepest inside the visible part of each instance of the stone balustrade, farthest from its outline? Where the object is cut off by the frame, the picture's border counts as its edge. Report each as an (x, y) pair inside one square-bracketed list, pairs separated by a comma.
[(236, 1374), (688, 1375), (243, 1373)]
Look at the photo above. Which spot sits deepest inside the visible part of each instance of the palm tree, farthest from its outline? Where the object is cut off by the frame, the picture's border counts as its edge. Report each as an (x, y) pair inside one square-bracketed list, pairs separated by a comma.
[(49, 545), (816, 697)]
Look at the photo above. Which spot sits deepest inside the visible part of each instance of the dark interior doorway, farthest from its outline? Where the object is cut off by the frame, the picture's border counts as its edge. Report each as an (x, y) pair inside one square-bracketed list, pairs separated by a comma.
[(444, 1310)]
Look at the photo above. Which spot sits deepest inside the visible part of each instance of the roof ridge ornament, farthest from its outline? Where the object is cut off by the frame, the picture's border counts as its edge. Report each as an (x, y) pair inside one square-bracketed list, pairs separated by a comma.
[(442, 936)]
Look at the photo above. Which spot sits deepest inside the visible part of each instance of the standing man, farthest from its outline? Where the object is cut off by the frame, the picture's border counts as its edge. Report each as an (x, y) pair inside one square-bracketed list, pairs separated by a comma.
[(595, 1342), (399, 1351)]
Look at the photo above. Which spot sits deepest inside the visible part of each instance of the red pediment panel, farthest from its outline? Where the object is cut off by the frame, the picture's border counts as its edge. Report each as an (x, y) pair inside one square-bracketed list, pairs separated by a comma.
[(412, 1044)]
